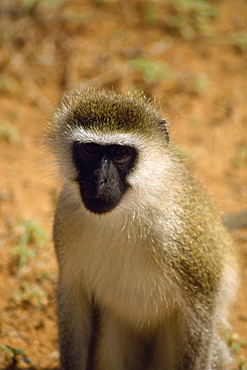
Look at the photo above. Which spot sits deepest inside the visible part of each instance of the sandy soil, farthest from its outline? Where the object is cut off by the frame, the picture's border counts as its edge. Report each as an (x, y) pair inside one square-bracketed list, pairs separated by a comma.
[(193, 61)]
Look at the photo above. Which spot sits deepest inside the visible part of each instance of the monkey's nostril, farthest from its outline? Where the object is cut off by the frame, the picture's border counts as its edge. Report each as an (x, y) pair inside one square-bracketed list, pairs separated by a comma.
[(103, 182)]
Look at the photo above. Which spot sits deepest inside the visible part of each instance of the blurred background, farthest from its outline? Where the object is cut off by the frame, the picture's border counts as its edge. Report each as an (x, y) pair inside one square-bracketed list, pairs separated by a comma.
[(188, 55)]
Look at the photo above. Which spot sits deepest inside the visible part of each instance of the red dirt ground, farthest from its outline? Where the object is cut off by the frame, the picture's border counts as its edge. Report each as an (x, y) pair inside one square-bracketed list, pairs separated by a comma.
[(194, 64)]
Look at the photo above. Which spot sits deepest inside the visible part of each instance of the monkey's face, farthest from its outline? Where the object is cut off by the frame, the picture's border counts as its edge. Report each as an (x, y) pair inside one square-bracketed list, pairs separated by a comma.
[(102, 173), (112, 145)]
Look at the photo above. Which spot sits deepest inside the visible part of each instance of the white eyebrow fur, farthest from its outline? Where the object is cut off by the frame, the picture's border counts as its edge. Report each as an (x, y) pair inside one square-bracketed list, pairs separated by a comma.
[(114, 138)]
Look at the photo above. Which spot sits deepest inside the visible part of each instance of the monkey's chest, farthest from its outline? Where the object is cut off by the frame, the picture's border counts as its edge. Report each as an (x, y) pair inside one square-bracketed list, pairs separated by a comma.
[(126, 279)]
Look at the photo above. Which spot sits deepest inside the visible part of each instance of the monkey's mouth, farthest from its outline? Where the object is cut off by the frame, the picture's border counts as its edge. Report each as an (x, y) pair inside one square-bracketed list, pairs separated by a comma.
[(100, 199), (97, 205)]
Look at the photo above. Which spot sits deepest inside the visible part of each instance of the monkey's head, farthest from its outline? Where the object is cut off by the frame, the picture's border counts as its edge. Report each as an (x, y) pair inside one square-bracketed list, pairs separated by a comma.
[(107, 143)]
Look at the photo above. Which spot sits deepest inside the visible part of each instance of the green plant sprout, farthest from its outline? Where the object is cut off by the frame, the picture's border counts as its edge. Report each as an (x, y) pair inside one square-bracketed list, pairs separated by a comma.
[(33, 295), (240, 157), (239, 40), (241, 364), (191, 16), (8, 133), (32, 233), (152, 71), (200, 83), (236, 344), (30, 4), (15, 354)]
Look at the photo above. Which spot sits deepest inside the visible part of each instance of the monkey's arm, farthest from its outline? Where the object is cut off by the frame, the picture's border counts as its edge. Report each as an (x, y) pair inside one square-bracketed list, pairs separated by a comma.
[(73, 304), (74, 316)]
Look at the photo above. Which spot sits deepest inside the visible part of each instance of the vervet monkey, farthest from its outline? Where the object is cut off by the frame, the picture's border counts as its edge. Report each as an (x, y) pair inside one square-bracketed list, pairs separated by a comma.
[(146, 269)]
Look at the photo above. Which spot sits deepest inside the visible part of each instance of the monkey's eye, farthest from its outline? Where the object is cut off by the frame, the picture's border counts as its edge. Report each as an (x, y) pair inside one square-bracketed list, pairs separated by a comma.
[(91, 149), (120, 153), (86, 152)]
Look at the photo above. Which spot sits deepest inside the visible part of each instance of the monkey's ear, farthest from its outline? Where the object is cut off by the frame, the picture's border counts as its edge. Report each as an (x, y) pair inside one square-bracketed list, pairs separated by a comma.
[(162, 122)]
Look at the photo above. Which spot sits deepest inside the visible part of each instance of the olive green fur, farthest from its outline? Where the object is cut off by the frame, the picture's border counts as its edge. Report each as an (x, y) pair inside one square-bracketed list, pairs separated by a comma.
[(83, 109)]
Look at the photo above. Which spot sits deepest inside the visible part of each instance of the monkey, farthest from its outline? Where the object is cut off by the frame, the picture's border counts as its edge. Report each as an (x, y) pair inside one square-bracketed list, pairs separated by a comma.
[(146, 268)]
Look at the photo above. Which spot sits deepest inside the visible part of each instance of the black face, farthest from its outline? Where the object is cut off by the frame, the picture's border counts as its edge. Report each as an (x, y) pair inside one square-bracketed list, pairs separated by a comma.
[(102, 171)]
